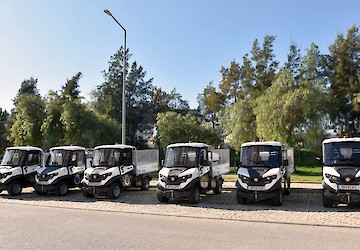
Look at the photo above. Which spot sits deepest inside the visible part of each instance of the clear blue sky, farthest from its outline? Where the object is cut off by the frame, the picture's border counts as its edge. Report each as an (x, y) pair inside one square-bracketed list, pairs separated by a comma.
[(181, 44)]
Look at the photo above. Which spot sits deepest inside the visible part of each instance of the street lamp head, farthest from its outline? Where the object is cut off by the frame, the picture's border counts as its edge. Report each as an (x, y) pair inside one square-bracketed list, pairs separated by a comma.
[(107, 12)]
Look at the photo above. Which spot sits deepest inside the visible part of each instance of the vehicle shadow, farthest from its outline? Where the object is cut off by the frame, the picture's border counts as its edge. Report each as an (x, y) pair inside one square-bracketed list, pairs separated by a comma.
[(300, 200)]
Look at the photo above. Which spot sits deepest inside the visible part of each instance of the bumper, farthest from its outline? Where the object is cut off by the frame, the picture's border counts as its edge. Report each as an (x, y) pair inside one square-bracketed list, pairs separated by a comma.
[(345, 197), (44, 188), (2, 187), (173, 193), (95, 190), (258, 195)]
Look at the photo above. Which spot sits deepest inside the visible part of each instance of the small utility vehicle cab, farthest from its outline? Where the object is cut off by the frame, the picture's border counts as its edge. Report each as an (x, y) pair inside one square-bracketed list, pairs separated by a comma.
[(116, 167), (64, 168), (341, 171), (190, 169), (18, 168), (264, 166)]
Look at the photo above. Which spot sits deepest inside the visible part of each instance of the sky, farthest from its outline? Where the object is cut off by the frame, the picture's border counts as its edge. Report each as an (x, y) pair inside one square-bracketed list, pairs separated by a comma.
[(180, 44)]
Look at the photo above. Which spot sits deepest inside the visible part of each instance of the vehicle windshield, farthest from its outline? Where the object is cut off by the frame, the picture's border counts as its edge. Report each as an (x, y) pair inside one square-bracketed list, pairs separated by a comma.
[(65, 158), (342, 153), (182, 157), (14, 157), (112, 157), (261, 155)]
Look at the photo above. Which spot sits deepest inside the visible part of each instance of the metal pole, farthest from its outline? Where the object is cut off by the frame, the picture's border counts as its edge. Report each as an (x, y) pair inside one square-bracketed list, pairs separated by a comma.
[(123, 116)]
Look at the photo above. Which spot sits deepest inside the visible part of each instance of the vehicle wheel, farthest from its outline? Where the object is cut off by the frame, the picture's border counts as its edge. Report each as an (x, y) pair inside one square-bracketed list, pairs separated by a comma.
[(162, 198), (241, 200), (145, 183), (218, 188), (61, 189), (327, 202), (14, 188), (87, 194), (194, 196), (115, 191), (287, 186), (277, 201)]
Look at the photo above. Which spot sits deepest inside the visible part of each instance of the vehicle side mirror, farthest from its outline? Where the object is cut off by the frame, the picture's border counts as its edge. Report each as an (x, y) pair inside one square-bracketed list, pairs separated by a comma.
[(162, 162), (285, 162), (319, 160)]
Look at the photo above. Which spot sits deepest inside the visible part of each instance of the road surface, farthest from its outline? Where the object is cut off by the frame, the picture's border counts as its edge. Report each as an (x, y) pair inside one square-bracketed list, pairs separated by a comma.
[(37, 227)]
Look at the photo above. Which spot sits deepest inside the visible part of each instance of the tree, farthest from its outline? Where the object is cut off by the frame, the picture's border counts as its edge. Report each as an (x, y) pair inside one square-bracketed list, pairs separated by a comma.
[(107, 98), (211, 103), (265, 63), (52, 127), (173, 127), (286, 106), (4, 132), (294, 61), (29, 116), (163, 102), (239, 123), (344, 76), (71, 88), (84, 127), (230, 84)]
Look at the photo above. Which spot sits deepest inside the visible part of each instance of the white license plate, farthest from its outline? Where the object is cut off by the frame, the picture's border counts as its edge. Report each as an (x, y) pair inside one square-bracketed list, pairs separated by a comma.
[(349, 187), (172, 187), (96, 184), (42, 183), (256, 188)]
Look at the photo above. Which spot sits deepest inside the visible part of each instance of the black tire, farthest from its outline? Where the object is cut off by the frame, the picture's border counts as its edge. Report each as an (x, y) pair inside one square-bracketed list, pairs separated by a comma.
[(327, 202), (194, 196), (278, 200), (114, 191), (61, 189), (287, 186), (14, 188), (161, 197), (87, 194), (218, 188), (241, 200), (145, 183)]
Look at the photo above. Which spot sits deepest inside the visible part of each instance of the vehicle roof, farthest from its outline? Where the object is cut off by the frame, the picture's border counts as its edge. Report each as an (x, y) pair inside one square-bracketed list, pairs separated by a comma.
[(265, 143), (69, 148), (354, 139), (25, 148), (189, 144), (115, 146)]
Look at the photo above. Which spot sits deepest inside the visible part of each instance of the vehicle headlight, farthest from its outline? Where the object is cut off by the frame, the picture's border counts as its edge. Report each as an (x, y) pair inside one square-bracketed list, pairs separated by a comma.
[(104, 176), (185, 177), (53, 175), (332, 178), (269, 179), (244, 178), (4, 175), (162, 177)]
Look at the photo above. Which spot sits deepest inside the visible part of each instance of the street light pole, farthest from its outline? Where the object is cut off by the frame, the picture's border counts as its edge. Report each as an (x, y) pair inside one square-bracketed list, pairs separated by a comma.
[(123, 113)]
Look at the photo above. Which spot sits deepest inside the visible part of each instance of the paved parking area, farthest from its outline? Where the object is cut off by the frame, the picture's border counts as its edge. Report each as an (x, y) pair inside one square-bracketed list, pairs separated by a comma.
[(303, 206)]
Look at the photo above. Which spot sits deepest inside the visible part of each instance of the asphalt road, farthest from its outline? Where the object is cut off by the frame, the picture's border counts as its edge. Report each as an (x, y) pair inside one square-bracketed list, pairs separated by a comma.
[(36, 227)]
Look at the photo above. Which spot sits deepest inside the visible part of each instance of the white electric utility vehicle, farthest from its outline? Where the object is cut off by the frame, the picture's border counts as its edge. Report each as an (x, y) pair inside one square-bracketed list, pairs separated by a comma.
[(190, 169), (18, 168), (264, 172), (64, 169), (341, 171), (117, 167)]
